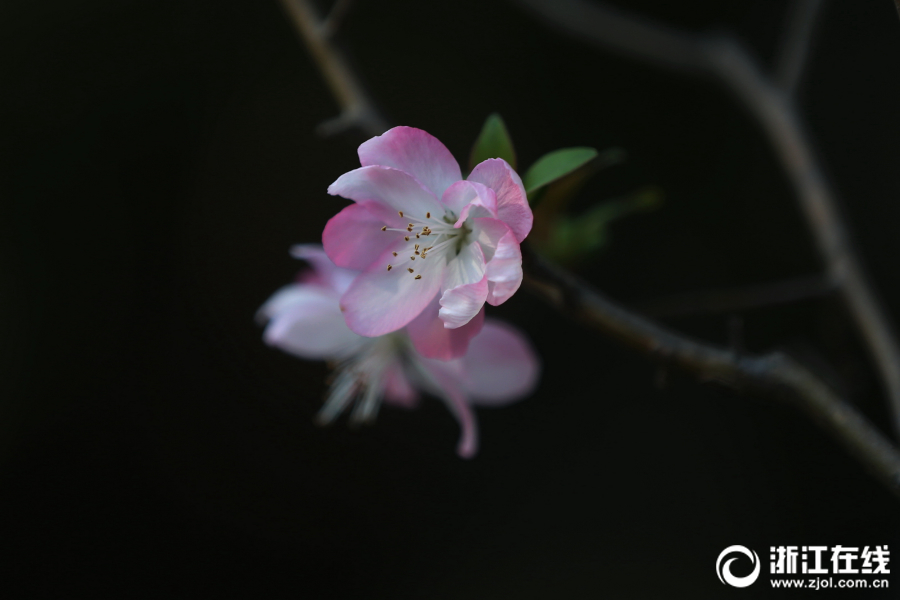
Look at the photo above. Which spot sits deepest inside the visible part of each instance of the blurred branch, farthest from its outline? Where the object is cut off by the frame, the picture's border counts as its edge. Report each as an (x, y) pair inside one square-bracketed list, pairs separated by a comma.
[(740, 298), (796, 43), (357, 109), (726, 59), (771, 375)]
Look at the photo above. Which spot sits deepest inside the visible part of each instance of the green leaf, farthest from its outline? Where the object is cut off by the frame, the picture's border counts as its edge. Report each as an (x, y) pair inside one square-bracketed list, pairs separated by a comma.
[(573, 239), (555, 165), (493, 142)]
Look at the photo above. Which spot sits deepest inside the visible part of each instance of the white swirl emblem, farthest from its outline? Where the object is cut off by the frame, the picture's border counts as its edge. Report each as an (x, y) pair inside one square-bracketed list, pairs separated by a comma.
[(724, 571)]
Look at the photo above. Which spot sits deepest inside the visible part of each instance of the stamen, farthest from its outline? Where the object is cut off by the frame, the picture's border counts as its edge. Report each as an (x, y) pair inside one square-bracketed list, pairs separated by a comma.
[(412, 258), (410, 270), (405, 238), (411, 225), (417, 235), (390, 267), (384, 228), (428, 215), (394, 253), (442, 244), (417, 277), (400, 212), (417, 246)]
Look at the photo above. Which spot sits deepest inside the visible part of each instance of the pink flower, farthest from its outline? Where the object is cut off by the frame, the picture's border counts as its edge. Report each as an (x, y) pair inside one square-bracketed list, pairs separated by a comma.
[(426, 241), (305, 319)]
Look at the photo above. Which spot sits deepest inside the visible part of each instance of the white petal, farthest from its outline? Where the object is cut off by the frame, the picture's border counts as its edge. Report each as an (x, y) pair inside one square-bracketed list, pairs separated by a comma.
[(326, 271), (465, 268), (388, 186), (381, 301), (504, 259), (305, 320), (469, 198), (465, 287)]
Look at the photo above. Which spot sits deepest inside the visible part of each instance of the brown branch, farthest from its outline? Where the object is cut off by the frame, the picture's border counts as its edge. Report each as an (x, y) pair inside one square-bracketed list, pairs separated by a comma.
[(357, 109), (728, 61), (772, 375), (738, 299)]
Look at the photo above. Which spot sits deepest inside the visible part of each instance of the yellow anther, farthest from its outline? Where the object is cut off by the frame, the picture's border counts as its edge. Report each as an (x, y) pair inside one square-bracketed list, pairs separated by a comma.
[(400, 212), (390, 267), (418, 277), (394, 253), (406, 238), (384, 228), (410, 270)]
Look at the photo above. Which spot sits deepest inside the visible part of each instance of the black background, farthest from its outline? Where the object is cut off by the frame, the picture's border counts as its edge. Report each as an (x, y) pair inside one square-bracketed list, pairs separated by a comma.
[(157, 159)]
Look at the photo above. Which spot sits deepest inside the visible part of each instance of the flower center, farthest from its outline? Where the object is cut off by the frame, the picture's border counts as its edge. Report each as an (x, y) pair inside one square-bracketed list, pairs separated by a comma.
[(428, 236)]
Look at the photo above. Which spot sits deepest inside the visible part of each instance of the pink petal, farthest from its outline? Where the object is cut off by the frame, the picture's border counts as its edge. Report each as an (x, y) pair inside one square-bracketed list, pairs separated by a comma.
[(390, 187), (465, 287), (305, 321), (416, 152), (381, 301), (353, 237), (460, 304), (512, 203), (467, 198), (448, 390), (504, 259), (500, 366), (398, 391), (433, 340), (324, 272)]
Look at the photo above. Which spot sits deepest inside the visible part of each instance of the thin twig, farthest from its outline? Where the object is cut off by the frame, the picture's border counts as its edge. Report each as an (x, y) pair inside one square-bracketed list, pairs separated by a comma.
[(728, 61), (772, 375), (738, 299), (357, 109), (795, 44)]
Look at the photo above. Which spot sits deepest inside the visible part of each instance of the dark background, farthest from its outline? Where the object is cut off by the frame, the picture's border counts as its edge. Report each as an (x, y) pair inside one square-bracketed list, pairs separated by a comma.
[(157, 159)]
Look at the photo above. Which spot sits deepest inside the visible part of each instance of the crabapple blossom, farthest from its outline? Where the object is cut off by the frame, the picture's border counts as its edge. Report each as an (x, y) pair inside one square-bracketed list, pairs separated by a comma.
[(423, 239), (304, 319)]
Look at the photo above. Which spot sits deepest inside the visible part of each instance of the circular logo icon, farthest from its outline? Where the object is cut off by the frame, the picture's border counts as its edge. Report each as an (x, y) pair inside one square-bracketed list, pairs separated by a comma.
[(724, 570)]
